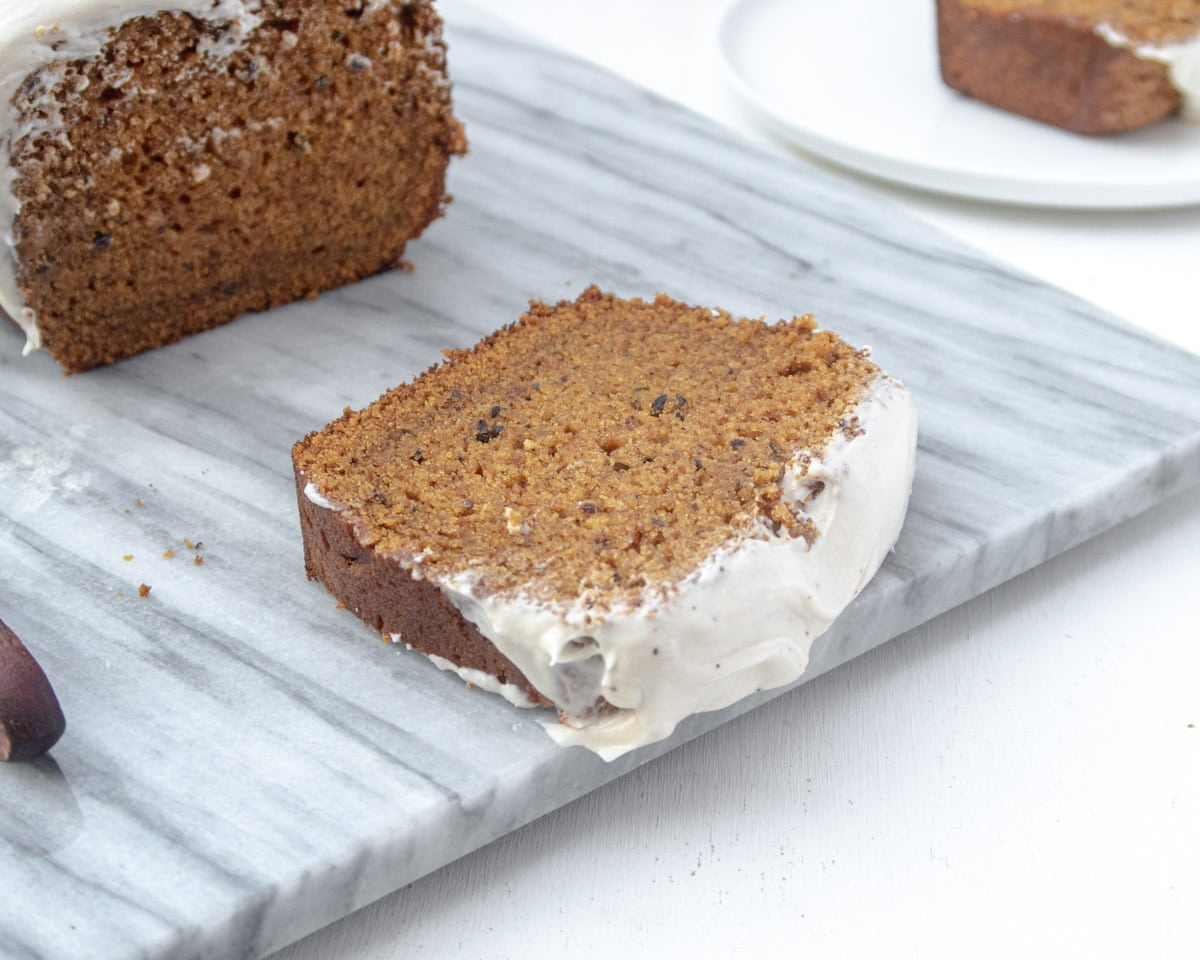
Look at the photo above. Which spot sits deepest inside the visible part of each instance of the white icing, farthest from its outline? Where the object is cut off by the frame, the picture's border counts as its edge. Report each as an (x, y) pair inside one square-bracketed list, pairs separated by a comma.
[(485, 681), (40, 33), (313, 494), (743, 622), (1182, 60)]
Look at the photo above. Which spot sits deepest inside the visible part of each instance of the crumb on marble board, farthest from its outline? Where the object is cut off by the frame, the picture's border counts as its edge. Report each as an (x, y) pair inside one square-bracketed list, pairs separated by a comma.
[(144, 590)]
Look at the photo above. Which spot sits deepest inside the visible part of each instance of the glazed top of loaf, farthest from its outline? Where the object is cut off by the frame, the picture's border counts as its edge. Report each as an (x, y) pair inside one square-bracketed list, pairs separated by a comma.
[(36, 32), (17, 15)]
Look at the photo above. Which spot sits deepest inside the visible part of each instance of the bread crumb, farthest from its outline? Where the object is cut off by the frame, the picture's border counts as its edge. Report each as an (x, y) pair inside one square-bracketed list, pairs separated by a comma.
[(144, 590), (127, 557), (198, 560), (168, 554)]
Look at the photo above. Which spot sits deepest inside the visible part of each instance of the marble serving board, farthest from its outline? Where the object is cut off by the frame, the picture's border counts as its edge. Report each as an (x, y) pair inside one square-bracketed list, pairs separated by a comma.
[(244, 761)]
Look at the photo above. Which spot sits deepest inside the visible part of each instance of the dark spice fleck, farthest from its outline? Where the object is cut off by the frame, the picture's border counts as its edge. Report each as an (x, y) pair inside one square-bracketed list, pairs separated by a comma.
[(776, 451), (737, 443), (587, 506), (322, 82), (681, 407), (497, 429), (101, 240), (483, 432), (496, 410), (657, 406), (418, 456)]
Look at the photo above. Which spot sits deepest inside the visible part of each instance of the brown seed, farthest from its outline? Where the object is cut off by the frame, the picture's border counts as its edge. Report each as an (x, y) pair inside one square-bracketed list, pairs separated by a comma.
[(31, 721)]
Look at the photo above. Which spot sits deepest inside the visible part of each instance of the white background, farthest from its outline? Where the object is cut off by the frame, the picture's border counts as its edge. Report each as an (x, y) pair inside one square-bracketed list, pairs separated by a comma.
[(1019, 778)]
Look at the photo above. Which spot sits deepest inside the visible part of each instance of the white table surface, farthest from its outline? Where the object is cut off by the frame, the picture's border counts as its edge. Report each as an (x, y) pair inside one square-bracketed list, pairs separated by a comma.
[(1018, 778)]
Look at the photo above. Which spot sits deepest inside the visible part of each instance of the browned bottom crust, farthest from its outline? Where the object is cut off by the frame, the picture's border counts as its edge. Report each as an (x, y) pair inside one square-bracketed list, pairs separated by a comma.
[(389, 600), (198, 188), (1048, 67)]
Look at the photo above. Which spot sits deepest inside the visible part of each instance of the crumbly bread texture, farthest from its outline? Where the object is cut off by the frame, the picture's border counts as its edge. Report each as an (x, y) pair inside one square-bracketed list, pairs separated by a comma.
[(597, 449), (197, 187), (1044, 59)]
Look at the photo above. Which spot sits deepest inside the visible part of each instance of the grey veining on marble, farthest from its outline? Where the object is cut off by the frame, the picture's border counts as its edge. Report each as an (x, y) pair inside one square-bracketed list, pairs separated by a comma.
[(244, 762)]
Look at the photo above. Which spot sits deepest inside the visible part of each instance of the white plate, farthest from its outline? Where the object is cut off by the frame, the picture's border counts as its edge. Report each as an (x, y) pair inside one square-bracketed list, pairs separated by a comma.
[(856, 82)]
